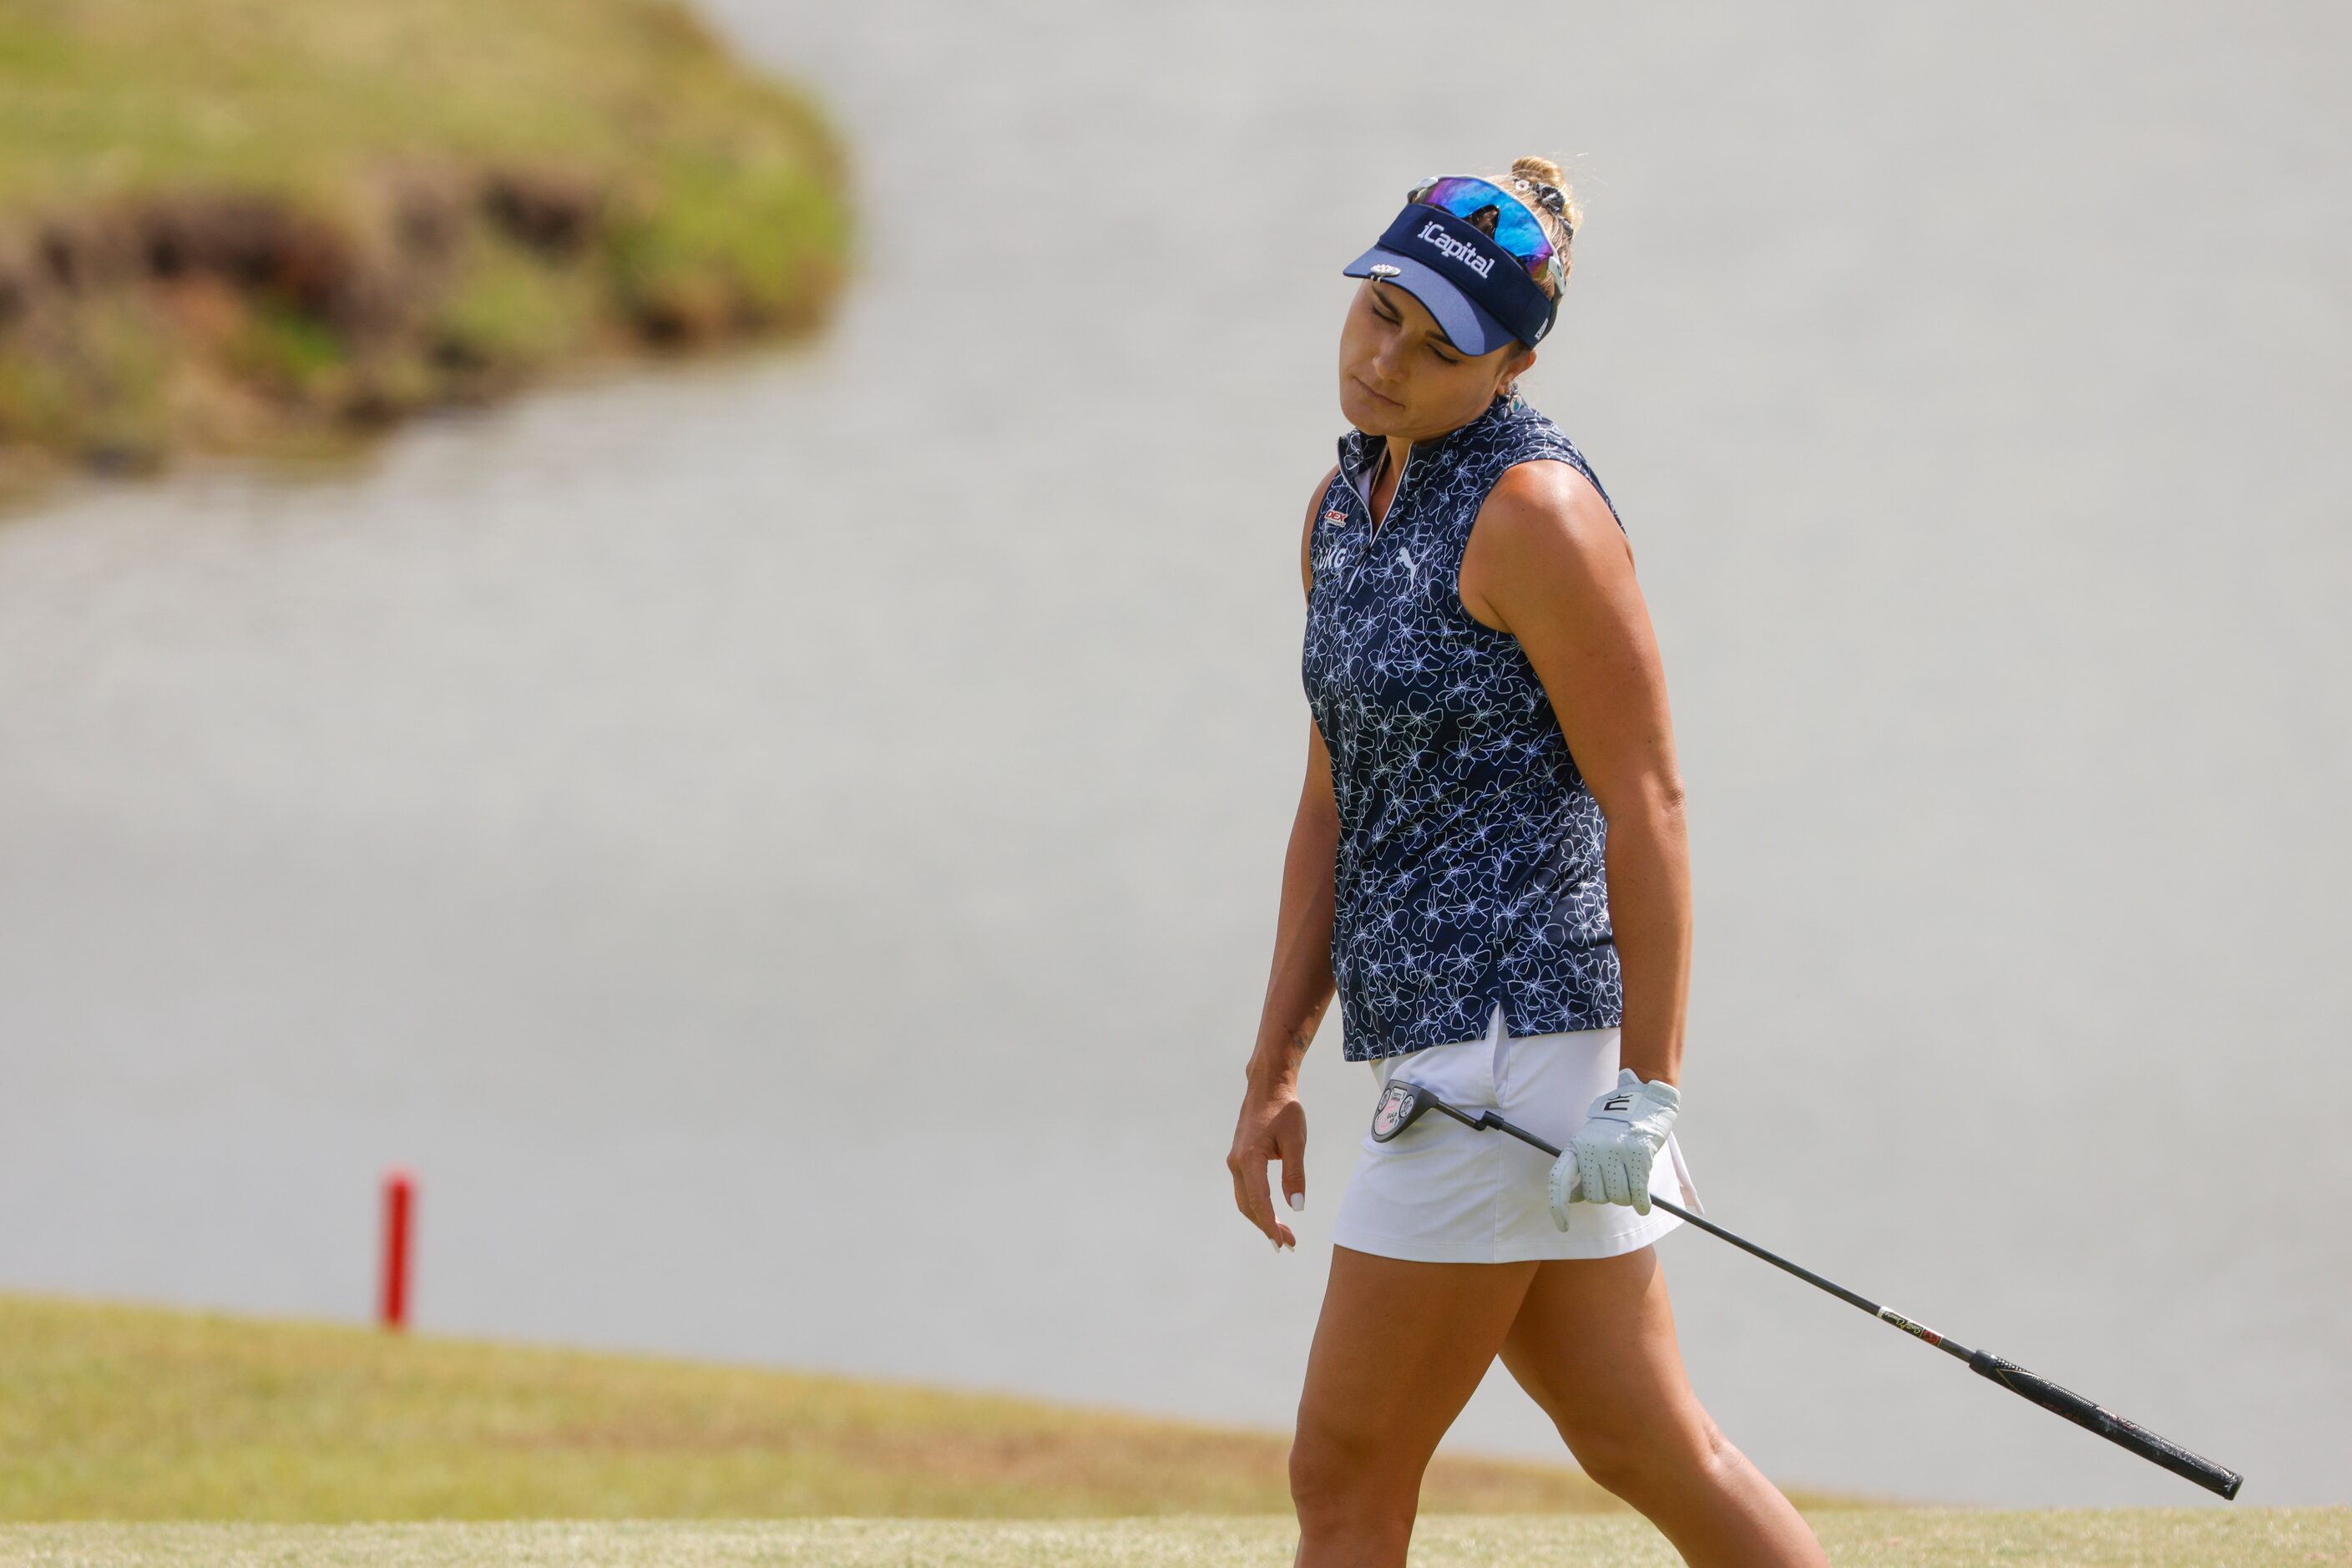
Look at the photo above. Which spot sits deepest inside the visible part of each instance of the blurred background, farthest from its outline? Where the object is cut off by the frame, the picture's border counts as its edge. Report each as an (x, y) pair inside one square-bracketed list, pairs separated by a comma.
[(664, 809)]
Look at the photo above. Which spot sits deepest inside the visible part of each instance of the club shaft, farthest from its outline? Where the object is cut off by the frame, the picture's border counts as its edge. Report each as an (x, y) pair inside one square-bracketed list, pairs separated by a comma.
[(2091, 1417)]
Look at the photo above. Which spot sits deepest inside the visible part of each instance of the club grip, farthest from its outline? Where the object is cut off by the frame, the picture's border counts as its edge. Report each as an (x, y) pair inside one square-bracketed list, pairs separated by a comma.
[(2115, 1428)]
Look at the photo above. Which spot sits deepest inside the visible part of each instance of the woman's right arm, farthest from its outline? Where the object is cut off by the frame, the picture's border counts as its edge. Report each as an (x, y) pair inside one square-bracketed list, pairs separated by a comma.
[(1272, 1124)]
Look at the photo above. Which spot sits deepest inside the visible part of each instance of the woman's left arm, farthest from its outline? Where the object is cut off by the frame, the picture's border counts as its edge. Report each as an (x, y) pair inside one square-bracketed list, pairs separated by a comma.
[(1548, 563)]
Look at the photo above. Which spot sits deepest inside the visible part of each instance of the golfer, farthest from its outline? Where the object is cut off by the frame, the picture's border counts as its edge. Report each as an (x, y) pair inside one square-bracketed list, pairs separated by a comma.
[(1489, 868)]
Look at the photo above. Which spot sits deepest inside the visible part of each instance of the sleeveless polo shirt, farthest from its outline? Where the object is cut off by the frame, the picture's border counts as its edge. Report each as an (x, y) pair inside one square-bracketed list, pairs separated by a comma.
[(1470, 871)]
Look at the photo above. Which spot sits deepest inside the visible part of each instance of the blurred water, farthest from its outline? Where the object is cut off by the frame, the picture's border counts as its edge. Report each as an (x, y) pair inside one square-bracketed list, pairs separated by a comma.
[(788, 849)]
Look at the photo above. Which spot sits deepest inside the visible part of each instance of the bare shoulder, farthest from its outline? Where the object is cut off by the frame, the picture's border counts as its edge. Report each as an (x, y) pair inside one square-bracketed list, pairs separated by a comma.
[(1543, 528), (1306, 534), (1549, 505)]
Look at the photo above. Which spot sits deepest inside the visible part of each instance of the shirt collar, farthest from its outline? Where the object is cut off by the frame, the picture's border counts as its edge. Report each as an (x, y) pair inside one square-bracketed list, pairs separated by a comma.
[(1359, 452)]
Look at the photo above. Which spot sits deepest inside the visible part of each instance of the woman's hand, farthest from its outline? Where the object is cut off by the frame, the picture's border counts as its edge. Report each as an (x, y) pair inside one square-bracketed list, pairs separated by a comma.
[(1272, 1124), (1273, 1127), (1610, 1156)]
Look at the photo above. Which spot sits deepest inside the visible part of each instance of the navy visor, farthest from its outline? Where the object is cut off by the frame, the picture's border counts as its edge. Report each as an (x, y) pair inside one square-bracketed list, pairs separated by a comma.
[(1479, 293)]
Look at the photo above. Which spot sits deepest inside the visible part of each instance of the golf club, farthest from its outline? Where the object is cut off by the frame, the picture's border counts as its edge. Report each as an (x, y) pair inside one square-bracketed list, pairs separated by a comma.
[(1401, 1104)]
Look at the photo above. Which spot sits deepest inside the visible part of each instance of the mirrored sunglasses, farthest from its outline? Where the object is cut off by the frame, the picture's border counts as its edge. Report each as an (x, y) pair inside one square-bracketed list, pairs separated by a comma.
[(1502, 217)]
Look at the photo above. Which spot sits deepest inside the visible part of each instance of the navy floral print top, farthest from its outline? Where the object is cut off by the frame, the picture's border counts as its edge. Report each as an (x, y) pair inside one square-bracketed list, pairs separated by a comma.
[(1470, 869)]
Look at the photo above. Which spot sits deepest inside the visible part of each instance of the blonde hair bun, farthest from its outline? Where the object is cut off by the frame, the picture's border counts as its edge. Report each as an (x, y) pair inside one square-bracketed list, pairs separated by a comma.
[(1535, 168), (1561, 225)]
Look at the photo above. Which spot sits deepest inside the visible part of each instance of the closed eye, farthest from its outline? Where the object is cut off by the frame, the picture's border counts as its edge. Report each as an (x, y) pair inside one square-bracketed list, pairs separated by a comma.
[(1442, 357)]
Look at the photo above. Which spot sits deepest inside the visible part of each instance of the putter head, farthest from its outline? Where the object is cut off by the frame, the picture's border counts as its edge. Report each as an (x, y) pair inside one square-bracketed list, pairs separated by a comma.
[(1401, 1104)]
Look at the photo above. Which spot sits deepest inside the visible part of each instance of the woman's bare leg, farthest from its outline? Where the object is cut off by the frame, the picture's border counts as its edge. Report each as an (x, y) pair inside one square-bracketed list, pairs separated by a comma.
[(1594, 1345), (1399, 1350)]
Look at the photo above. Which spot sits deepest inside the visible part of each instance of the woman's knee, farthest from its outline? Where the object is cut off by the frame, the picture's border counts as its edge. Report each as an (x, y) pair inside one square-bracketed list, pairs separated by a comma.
[(1339, 1474), (1634, 1460)]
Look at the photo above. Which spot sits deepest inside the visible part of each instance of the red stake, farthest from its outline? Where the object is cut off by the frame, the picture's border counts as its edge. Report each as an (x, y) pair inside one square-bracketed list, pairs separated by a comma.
[(399, 1201)]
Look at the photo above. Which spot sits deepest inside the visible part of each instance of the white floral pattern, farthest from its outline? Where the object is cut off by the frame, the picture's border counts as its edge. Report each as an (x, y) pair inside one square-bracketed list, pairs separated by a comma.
[(1470, 870)]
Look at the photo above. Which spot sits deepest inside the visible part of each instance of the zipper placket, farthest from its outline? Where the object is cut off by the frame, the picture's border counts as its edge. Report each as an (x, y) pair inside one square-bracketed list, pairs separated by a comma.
[(1374, 525)]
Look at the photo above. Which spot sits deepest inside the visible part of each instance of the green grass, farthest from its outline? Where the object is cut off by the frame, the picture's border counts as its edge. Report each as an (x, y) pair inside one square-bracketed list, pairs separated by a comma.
[(283, 1433), (2213, 1538), (306, 97), (126, 1413), (362, 145)]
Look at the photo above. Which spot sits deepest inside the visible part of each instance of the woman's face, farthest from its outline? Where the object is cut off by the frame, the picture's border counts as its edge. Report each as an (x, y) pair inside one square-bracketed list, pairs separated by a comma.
[(1399, 377)]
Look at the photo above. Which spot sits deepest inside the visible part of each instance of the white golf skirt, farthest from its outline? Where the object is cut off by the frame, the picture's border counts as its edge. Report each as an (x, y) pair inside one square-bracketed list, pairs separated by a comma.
[(1443, 1193)]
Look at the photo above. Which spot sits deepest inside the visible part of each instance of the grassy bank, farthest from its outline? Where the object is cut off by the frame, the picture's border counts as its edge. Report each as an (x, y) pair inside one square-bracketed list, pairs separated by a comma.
[(246, 225), (123, 1413), (120, 1415), (2255, 1538)]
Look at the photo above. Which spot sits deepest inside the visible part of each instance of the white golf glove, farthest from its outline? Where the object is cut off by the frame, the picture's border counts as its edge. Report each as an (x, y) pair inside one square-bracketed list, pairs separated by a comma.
[(1610, 1154)]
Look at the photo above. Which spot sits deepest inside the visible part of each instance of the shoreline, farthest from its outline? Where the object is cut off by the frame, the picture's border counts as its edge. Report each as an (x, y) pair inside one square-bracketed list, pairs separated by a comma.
[(330, 267)]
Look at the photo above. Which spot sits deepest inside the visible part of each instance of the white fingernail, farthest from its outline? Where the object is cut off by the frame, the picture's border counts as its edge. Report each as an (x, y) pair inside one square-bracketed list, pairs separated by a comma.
[(1297, 1202)]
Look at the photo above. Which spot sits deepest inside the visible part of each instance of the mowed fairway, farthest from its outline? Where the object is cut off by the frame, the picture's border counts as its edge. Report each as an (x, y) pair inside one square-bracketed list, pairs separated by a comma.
[(135, 1413), (1898, 1538), (137, 1435)]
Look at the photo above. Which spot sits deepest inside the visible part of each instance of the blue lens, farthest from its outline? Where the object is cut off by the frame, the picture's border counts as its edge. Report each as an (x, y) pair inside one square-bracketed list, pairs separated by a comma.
[(1495, 212)]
